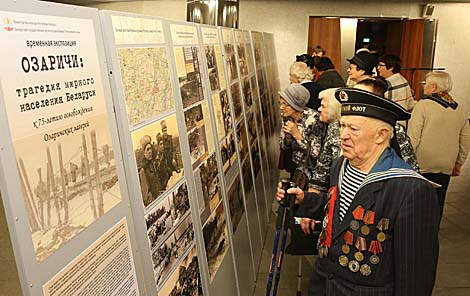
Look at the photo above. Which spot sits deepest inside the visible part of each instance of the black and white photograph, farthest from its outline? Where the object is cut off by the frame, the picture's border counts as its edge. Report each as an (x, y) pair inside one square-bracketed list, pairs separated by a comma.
[(166, 255), (194, 117), (242, 59), (235, 203), (254, 87), (158, 157), (215, 239), (228, 152), (237, 100), (231, 62), (67, 183), (242, 140), (159, 221), (247, 97), (255, 158), (197, 145), (185, 279), (212, 67), (190, 82), (250, 121), (209, 185), (181, 202), (225, 105), (261, 82), (247, 176)]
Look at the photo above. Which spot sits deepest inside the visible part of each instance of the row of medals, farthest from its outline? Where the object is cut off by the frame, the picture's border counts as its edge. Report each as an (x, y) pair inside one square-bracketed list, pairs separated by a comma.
[(374, 259)]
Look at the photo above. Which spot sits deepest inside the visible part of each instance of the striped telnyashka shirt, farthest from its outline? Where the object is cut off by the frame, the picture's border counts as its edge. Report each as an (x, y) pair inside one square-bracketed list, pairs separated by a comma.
[(352, 179)]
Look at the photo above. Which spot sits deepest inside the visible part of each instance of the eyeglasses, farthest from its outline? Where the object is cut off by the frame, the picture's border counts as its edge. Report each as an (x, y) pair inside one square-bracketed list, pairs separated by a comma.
[(423, 82)]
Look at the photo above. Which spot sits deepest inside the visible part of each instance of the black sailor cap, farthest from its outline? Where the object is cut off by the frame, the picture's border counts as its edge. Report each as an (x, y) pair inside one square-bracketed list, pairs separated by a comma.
[(363, 103)]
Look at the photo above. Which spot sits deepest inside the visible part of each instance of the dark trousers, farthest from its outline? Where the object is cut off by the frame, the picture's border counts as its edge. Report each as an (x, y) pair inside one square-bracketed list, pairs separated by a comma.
[(443, 180)]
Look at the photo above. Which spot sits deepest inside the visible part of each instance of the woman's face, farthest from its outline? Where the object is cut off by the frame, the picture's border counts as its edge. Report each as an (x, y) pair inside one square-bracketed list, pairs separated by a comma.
[(324, 115), (160, 146), (148, 151), (286, 109)]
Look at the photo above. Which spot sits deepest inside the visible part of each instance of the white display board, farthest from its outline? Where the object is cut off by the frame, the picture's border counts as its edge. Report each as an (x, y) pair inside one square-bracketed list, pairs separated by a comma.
[(62, 176)]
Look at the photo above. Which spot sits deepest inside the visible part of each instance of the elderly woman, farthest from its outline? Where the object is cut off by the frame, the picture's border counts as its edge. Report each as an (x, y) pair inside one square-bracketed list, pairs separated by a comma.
[(300, 139), (439, 132), (299, 72)]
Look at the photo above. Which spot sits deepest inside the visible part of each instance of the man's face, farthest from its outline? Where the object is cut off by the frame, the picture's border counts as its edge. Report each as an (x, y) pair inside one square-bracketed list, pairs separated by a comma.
[(354, 73), (383, 71), (286, 109), (358, 136), (148, 151)]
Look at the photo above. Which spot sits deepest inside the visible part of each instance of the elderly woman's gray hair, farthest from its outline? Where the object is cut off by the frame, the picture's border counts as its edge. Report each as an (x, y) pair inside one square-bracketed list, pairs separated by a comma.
[(334, 107), (300, 72), (441, 79)]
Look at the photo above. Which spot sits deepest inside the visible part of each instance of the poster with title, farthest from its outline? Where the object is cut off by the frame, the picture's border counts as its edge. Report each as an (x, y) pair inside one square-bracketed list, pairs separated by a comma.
[(55, 104)]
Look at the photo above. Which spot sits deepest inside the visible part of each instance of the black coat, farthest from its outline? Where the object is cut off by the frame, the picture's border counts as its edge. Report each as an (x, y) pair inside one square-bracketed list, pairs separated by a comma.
[(408, 262)]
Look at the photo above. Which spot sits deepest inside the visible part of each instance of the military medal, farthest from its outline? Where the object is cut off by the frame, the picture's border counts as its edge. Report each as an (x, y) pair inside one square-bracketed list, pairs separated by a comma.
[(382, 225), (376, 248), (353, 266), (361, 245), (343, 260), (358, 212), (368, 220), (354, 225), (365, 270), (348, 240)]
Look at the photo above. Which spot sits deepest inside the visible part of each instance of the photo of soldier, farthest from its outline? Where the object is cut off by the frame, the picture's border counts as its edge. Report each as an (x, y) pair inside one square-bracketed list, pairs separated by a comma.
[(231, 62), (247, 97), (242, 60), (236, 99), (215, 239), (242, 140), (185, 279), (159, 221), (236, 206), (226, 112), (212, 68), (197, 145), (227, 149), (190, 84), (158, 158)]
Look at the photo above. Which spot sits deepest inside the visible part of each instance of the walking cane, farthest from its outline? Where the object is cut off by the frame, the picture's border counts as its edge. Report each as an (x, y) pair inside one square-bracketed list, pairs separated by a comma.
[(280, 222)]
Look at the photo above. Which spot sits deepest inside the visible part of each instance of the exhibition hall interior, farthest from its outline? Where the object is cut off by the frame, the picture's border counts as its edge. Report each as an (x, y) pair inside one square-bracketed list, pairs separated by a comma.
[(146, 147)]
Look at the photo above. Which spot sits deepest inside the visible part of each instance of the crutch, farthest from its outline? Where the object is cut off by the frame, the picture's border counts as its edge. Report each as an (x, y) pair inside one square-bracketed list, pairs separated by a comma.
[(281, 222)]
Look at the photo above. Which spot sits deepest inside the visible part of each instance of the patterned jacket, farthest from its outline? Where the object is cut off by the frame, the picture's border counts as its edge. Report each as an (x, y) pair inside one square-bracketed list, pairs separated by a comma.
[(330, 150), (406, 148), (400, 91), (305, 152)]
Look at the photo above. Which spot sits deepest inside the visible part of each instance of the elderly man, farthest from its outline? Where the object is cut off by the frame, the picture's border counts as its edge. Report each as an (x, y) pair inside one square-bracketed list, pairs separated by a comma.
[(399, 91), (361, 66), (380, 219)]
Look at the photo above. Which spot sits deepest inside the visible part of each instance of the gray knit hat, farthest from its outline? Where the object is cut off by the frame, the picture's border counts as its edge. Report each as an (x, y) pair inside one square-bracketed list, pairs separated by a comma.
[(296, 96)]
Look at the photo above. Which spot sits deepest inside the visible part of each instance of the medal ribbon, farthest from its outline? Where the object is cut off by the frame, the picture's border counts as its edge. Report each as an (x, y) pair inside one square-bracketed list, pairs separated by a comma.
[(375, 247), (333, 192), (369, 217), (361, 244), (348, 237), (383, 224), (358, 213)]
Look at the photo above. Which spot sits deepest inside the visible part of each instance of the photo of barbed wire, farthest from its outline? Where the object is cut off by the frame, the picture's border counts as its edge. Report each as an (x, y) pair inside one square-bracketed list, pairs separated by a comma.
[(67, 184)]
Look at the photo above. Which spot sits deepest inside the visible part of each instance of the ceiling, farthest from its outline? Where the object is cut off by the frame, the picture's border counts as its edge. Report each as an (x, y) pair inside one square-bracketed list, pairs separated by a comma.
[(89, 2)]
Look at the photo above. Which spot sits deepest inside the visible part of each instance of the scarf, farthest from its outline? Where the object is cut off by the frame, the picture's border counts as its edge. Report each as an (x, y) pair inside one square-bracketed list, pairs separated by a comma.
[(444, 99)]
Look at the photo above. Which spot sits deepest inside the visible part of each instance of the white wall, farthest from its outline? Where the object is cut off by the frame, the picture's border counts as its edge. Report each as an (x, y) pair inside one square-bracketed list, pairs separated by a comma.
[(453, 47), (288, 20)]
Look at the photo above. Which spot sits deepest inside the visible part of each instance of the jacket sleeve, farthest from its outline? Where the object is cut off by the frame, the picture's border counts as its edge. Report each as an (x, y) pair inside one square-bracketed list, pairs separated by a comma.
[(416, 246), (312, 206), (416, 124), (464, 142)]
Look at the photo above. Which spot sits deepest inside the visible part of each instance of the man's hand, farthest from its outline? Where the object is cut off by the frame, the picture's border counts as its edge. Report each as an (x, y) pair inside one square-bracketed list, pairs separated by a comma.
[(307, 225), (299, 194), (456, 170), (292, 129)]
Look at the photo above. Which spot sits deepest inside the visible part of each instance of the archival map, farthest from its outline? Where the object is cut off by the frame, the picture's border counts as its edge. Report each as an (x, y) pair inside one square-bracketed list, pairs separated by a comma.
[(146, 81)]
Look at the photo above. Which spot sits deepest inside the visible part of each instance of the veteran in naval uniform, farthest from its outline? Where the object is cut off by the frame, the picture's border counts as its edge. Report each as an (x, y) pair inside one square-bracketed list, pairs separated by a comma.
[(380, 218)]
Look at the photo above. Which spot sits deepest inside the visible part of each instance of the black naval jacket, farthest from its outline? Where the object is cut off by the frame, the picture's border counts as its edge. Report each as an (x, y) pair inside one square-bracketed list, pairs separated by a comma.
[(408, 259)]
